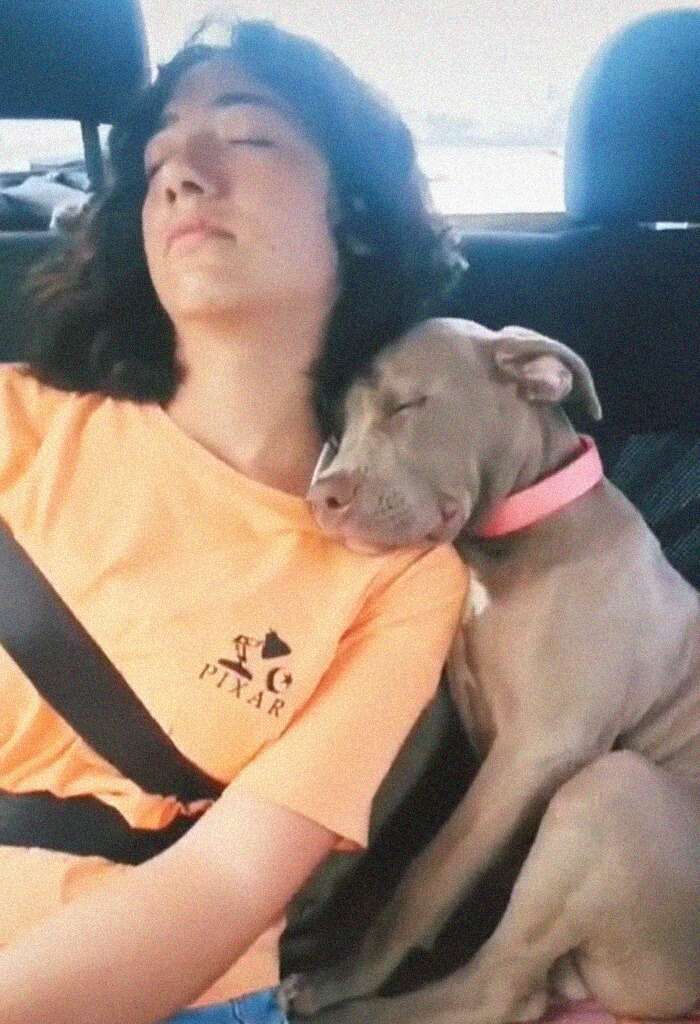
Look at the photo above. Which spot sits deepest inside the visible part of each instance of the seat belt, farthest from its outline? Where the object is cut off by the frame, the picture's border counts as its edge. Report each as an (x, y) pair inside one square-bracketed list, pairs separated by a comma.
[(82, 825), (69, 669)]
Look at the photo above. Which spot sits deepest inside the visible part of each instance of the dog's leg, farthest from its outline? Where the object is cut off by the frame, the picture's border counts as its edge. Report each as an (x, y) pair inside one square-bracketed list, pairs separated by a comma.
[(633, 826), (442, 1002), (613, 879), (489, 997), (507, 793)]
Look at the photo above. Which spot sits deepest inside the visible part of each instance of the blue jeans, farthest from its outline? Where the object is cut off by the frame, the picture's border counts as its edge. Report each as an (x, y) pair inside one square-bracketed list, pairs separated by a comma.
[(256, 1008)]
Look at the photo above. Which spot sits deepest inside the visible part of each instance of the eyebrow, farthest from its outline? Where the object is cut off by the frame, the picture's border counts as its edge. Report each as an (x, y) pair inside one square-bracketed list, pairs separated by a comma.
[(228, 99)]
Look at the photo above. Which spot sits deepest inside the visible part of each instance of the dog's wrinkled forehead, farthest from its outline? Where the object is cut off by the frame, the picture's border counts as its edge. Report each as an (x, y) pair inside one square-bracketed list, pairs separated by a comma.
[(419, 365), (425, 352)]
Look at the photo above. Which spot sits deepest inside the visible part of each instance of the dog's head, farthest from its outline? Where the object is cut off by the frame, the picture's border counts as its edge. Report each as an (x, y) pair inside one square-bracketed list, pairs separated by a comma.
[(428, 431)]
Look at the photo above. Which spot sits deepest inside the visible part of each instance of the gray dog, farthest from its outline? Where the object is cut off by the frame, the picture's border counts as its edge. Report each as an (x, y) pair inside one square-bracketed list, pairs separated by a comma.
[(576, 673)]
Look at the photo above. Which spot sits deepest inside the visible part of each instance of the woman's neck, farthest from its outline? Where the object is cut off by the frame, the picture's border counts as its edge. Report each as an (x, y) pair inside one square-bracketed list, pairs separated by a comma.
[(247, 400)]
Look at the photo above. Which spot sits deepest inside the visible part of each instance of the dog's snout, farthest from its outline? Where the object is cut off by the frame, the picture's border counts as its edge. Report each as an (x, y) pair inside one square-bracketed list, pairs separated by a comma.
[(334, 493)]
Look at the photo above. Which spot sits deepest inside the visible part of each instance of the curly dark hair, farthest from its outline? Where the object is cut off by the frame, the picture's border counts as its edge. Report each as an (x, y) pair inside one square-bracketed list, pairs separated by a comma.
[(103, 328)]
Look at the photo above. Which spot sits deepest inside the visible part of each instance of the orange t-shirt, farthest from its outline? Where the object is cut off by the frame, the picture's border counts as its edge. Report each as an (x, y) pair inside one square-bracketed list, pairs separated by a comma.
[(262, 647)]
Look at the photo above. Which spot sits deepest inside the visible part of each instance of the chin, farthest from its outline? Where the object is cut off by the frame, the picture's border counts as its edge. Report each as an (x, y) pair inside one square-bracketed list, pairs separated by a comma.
[(198, 290), (200, 300), (363, 547), (369, 545)]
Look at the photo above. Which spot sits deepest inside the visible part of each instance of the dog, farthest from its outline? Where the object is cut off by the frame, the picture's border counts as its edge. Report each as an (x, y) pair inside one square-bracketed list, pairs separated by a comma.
[(576, 673)]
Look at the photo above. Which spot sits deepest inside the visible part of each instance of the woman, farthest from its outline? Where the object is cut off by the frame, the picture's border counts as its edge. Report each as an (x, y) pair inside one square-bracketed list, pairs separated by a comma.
[(265, 232)]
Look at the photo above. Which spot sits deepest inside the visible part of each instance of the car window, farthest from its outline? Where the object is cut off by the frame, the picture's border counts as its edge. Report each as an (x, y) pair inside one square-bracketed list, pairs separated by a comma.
[(23, 143), (486, 87), (40, 145), (487, 96)]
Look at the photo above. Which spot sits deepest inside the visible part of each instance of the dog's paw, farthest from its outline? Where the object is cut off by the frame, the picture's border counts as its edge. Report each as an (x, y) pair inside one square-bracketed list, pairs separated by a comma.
[(308, 994), (362, 1011), (287, 992), (300, 995)]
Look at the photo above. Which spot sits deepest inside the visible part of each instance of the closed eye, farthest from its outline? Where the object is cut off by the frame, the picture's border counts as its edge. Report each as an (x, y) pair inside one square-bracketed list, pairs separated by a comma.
[(257, 141), (414, 403), (251, 141)]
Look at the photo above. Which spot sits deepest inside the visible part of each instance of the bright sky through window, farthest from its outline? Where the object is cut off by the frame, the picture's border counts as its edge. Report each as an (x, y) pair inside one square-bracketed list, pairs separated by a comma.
[(501, 63), (485, 85)]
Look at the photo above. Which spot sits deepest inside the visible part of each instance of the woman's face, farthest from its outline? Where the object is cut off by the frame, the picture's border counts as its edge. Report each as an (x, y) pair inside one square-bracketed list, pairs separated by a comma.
[(235, 219)]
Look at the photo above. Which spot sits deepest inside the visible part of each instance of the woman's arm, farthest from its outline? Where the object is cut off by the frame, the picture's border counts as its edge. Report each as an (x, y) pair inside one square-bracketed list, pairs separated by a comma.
[(146, 945)]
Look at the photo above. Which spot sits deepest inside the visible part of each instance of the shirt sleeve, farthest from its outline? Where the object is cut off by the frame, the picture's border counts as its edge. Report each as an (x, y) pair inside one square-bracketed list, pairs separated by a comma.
[(330, 760), (26, 408)]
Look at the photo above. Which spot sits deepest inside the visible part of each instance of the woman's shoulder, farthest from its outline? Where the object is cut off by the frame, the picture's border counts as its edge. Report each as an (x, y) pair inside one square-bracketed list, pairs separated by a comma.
[(24, 397), (419, 578), (29, 409)]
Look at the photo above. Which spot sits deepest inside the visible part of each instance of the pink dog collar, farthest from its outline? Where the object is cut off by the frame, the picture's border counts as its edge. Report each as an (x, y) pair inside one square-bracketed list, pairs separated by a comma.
[(547, 496)]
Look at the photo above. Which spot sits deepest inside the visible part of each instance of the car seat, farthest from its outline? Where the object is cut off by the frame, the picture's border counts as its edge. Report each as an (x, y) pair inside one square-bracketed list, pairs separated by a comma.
[(81, 61), (620, 283)]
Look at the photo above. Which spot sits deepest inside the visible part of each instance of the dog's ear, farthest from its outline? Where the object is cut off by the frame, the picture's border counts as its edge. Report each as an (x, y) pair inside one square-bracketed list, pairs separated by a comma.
[(546, 370)]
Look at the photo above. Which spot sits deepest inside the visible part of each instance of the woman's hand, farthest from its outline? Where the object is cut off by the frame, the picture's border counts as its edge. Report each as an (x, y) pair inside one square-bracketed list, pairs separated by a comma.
[(149, 943)]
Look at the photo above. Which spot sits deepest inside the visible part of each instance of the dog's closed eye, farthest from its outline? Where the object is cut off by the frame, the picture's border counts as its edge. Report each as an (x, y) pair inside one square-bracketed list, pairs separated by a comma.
[(413, 403)]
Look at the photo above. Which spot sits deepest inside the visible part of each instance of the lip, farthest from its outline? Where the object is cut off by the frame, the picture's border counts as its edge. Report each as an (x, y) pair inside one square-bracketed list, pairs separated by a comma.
[(194, 230), (452, 522)]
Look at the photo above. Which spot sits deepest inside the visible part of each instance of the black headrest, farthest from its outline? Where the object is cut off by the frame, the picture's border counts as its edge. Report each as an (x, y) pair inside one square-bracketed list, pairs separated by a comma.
[(633, 143), (75, 59)]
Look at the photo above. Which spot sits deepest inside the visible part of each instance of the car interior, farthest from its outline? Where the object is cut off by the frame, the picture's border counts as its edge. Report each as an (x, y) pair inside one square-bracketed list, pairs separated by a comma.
[(616, 278), (80, 62)]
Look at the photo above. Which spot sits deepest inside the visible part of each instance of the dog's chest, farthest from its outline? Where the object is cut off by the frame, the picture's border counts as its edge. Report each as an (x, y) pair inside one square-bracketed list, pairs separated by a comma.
[(484, 705)]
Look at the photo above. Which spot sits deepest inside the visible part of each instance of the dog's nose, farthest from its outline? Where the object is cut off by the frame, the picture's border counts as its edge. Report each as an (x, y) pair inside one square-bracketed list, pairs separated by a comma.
[(334, 493)]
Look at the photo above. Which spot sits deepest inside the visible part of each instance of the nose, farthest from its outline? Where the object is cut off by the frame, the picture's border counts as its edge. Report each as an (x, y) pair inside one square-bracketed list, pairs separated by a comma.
[(334, 493), (182, 186), (193, 171)]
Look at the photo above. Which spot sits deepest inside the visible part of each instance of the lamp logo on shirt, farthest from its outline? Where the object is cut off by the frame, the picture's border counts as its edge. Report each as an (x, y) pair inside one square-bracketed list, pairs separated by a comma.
[(247, 678)]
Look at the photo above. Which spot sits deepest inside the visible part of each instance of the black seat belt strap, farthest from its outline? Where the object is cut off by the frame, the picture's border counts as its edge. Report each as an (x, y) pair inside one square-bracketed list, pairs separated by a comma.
[(82, 825), (75, 676)]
